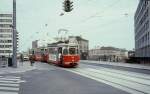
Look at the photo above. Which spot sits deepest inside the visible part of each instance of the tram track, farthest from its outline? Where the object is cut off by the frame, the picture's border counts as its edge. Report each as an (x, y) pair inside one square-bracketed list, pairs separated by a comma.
[(126, 73), (121, 72), (134, 79), (129, 83)]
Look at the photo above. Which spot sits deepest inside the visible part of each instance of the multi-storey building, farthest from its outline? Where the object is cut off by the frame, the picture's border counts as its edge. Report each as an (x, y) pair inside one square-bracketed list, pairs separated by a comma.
[(6, 36), (34, 44), (142, 29)]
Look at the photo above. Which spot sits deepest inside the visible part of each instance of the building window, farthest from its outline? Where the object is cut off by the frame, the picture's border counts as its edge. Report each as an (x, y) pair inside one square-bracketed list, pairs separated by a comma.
[(5, 30), (5, 15), (8, 46), (1, 46), (5, 20), (1, 51), (5, 25), (6, 36), (5, 46), (8, 51), (5, 41)]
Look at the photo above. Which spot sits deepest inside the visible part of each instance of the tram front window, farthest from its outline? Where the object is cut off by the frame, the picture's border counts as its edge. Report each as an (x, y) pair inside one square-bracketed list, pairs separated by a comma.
[(65, 51), (72, 50)]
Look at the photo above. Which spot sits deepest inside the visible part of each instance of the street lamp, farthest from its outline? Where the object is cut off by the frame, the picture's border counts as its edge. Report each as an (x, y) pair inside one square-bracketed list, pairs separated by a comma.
[(14, 56)]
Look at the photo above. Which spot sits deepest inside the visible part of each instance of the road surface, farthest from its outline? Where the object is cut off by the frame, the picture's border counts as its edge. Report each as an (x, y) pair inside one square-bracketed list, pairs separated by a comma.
[(85, 79)]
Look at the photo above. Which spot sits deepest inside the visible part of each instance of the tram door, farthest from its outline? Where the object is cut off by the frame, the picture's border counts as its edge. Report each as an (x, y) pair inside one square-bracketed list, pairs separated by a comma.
[(60, 58)]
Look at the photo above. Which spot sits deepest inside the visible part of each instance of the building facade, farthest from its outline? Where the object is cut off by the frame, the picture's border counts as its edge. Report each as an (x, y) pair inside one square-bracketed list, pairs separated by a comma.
[(6, 35), (83, 47), (142, 29), (108, 54), (34, 44)]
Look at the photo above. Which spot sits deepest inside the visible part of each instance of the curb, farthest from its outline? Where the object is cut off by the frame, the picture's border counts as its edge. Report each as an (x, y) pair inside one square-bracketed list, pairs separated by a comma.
[(136, 66)]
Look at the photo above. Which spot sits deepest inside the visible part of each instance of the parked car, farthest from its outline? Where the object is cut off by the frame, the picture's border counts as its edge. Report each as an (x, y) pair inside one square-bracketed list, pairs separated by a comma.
[(26, 58)]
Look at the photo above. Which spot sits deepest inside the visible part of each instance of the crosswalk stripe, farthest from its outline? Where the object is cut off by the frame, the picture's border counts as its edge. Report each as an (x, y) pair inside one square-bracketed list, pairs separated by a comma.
[(9, 85), (2, 92), (10, 82), (9, 79), (13, 77), (9, 88)]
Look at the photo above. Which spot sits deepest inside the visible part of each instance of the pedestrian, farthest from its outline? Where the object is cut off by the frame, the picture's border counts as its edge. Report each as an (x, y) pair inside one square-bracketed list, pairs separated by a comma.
[(21, 59), (31, 60), (60, 58), (99, 58)]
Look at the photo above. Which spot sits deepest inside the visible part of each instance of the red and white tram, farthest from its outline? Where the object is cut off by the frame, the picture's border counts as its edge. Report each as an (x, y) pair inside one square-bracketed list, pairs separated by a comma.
[(40, 54), (64, 54)]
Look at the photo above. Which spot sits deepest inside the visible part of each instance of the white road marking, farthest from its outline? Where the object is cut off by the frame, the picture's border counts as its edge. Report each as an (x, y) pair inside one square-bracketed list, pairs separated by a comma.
[(128, 83), (2, 92), (9, 88), (11, 79), (9, 84), (1, 76)]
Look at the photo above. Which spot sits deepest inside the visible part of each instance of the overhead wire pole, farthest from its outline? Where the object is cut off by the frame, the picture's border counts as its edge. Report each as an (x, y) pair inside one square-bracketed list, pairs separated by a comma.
[(14, 56)]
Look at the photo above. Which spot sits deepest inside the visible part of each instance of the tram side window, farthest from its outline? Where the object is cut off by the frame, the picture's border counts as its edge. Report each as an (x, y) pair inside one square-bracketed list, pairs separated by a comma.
[(72, 51), (60, 50), (65, 51), (77, 51), (52, 50)]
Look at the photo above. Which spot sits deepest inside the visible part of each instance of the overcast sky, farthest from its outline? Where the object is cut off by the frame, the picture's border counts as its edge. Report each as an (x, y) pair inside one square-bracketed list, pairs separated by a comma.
[(102, 22)]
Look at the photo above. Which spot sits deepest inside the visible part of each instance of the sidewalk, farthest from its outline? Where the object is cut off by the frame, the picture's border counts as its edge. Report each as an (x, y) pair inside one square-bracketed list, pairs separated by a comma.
[(21, 68), (137, 66)]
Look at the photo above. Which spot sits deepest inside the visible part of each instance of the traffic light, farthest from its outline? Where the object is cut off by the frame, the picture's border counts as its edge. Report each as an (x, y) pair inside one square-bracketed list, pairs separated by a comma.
[(68, 6)]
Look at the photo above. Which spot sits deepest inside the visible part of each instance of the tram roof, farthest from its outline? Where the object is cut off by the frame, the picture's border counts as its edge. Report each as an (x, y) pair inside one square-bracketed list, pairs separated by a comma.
[(67, 44)]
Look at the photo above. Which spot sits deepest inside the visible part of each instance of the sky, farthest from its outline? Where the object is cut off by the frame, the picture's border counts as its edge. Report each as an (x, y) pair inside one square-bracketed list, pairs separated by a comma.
[(102, 22)]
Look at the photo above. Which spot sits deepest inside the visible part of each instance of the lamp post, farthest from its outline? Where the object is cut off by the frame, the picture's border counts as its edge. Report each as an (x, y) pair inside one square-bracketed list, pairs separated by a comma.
[(14, 61)]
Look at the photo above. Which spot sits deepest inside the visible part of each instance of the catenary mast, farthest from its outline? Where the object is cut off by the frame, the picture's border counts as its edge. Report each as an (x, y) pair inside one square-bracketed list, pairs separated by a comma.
[(14, 56)]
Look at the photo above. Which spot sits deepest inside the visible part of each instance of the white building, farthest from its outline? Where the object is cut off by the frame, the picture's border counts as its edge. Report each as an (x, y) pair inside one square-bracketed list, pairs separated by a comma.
[(6, 36), (142, 30), (83, 46), (108, 54)]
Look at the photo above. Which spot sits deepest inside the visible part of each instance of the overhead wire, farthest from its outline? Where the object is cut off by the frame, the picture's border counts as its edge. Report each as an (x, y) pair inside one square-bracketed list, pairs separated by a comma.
[(104, 11), (97, 14)]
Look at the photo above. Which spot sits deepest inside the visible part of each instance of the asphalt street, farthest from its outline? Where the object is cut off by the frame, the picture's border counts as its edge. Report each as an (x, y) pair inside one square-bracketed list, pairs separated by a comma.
[(85, 79), (50, 79)]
